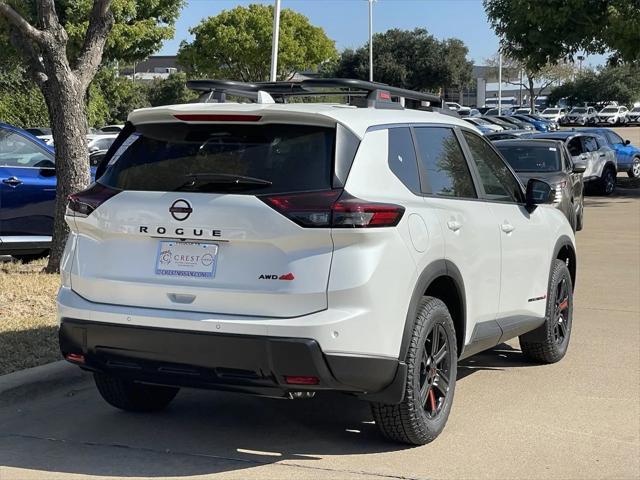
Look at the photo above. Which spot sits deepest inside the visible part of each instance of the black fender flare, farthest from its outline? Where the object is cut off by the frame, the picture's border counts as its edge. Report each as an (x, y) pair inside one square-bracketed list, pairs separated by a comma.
[(438, 268), (562, 242)]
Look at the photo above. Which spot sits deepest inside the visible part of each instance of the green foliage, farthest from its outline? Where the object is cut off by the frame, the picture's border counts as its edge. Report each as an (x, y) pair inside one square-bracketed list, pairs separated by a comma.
[(121, 95), (539, 32), (21, 103), (410, 59), (140, 26), (236, 44), (170, 91), (621, 83)]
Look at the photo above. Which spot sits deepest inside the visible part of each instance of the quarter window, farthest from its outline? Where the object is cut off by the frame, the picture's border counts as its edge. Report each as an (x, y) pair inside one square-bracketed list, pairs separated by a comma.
[(444, 164), (498, 181), (402, 158)]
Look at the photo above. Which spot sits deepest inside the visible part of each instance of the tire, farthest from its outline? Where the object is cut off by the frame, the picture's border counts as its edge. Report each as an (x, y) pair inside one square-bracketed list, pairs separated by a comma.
[(549, 342), (132, 396), (429, 390), (30, 257), (573, 220), (580, 220), (634, 171), (607, 182)]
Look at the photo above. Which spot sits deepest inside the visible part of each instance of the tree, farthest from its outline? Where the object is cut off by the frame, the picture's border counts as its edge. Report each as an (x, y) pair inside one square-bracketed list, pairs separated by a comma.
[(519, 74), (21, 102), (539, 32), (61, 47), (620, 83), (236, 45), (407, 58), (170, 91)]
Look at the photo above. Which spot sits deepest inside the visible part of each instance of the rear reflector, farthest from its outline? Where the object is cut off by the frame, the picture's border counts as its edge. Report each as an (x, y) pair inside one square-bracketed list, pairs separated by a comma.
[(334, 209), (83, 203), (75, 357), (301, 380), (210, 117)]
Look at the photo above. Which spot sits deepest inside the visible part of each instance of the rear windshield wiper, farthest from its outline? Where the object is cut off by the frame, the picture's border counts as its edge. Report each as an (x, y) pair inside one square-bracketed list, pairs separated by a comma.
[(228, 181)]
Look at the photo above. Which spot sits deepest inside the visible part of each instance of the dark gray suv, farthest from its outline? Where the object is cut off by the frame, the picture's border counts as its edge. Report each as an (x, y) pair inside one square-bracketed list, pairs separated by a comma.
[(549, 160)]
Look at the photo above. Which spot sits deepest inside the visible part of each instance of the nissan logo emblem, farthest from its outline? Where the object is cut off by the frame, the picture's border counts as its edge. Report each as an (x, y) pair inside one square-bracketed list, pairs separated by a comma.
[(180, 210)]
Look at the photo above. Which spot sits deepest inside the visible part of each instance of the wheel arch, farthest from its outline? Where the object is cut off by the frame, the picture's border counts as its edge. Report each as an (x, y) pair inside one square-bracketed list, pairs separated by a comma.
[(443, 280), (565, 251)]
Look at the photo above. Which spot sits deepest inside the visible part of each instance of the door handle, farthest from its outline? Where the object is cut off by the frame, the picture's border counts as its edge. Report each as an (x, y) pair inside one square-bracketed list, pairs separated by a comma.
[(507, 227), (602, 154), (12, 181), (454, 226)]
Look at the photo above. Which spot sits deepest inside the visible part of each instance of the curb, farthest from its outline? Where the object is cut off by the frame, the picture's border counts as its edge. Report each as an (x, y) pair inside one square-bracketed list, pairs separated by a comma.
[(23, 384)]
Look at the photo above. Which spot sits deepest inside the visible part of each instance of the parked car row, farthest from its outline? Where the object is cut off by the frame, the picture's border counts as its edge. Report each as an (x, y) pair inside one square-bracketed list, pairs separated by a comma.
[(609, 115), (572, 162), (28, 192)]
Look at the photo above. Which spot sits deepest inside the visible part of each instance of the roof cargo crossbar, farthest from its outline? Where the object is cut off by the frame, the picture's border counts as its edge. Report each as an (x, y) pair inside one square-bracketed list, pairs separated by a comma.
[(359, 92)]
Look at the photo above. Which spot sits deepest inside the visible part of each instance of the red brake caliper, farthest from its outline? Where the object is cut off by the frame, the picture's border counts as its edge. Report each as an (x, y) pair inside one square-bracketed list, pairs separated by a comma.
[(564, 304), (432, 400)]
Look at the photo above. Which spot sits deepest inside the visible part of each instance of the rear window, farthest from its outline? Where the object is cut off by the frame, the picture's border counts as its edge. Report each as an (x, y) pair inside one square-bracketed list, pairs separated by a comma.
[(249, 159), (530, 158)]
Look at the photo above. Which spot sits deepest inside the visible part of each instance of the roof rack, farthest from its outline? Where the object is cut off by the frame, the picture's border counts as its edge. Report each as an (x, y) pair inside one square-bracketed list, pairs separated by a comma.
[(359, 92)]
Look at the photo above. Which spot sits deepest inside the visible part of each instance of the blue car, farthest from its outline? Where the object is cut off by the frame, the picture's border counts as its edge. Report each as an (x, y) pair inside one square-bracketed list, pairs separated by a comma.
[(27, 194), (541, 126), (627, 155)]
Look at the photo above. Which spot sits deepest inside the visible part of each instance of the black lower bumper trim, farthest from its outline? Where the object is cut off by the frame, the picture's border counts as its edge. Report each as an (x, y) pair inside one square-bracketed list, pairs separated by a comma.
[(251, 364)]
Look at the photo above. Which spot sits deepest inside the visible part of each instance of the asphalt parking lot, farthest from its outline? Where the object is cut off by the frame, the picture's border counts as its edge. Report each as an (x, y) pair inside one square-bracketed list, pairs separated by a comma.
[(511, 419)]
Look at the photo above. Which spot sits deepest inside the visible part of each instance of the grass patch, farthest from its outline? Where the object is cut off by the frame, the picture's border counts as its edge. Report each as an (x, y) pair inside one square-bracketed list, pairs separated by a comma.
[(28, 324)]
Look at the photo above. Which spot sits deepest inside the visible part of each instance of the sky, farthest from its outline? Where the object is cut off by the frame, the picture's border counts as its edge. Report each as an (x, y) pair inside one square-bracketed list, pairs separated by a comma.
[(346, 21)]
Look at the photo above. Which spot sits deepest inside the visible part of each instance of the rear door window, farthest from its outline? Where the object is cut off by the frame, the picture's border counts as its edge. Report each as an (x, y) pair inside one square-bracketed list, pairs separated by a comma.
[(590, 144), (17, 151), (442, 160), (244, 159)]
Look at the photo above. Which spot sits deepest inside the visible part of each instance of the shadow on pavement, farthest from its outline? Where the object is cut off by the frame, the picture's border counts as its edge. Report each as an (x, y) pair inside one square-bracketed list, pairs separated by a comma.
[(201, 432), (500, 357)]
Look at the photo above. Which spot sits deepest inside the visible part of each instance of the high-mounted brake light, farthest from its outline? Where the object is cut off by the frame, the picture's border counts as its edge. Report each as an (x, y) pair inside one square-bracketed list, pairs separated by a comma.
[(215, 117), (334, 209), (83, 203)]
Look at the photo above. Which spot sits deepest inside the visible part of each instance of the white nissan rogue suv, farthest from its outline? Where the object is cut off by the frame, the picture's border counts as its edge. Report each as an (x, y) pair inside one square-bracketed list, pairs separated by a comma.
[(284, 249)]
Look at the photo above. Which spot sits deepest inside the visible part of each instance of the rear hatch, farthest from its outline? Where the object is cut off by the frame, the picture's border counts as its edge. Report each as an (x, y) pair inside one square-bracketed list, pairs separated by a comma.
[(183, 219)]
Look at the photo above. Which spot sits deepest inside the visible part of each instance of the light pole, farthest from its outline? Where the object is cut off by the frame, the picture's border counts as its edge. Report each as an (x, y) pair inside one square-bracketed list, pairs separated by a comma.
[(275, 40), (371, 40), (500, 83)]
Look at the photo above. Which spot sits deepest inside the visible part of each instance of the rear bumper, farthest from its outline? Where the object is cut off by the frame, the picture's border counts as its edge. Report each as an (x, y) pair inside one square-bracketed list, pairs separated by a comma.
[(241, 363)]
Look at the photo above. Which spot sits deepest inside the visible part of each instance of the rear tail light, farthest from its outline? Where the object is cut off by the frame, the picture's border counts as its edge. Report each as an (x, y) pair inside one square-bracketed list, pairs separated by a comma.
[(335, 209), (83, 203)]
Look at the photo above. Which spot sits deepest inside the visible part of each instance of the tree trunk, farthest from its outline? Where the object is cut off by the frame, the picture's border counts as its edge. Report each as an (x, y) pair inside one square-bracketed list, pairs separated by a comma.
[(65, 102)]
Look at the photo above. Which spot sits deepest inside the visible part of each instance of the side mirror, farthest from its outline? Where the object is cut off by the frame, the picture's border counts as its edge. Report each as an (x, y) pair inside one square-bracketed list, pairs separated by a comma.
[(538, 192), (579, 167), (627, 142)]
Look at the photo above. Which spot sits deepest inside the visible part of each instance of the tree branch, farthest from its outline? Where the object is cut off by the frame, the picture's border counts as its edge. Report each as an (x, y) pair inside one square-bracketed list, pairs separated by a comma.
[(20, 24), (100, 24), (32, 56)]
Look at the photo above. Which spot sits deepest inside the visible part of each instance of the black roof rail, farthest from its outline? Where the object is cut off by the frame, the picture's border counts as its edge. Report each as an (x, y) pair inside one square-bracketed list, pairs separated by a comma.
[(376, 95)]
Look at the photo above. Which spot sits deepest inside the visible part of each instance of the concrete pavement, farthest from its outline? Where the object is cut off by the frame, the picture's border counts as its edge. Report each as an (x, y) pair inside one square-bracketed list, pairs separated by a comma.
[(579, 418)]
